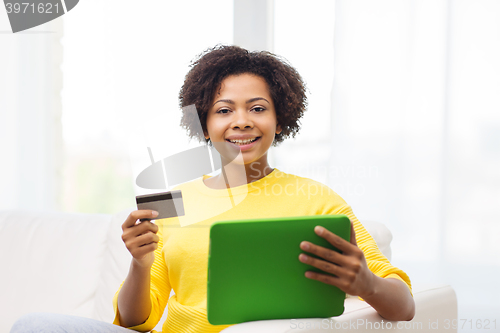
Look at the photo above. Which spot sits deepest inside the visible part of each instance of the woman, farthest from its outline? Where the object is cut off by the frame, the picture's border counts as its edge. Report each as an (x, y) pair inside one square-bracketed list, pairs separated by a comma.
[(246, 102)]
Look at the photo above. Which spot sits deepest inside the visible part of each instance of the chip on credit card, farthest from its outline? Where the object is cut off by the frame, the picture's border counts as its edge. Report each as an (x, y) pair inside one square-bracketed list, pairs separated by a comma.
[(167, 204)]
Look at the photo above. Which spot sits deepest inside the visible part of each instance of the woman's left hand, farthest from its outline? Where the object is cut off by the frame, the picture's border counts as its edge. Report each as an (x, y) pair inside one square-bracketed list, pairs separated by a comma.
[(350, 271)]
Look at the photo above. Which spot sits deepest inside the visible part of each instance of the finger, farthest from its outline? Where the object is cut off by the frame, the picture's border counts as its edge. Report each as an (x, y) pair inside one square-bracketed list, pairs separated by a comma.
[(144, 239), (136, 215), (327, 254), (130, 234), (337, 241), (143, 228), (140, 252), (325, 278), (147, 239), (325, 266)]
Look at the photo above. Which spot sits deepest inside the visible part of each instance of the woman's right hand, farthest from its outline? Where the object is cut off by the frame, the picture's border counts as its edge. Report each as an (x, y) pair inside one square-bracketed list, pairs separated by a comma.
[(140, 237)]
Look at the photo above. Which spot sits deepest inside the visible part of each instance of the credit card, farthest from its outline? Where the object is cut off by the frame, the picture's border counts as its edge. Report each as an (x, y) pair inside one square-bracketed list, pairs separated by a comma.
[(167, 204)]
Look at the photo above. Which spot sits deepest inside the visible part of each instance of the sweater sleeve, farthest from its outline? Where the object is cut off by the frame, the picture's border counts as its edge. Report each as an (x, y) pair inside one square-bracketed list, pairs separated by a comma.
[(159, 292), (376, 261)]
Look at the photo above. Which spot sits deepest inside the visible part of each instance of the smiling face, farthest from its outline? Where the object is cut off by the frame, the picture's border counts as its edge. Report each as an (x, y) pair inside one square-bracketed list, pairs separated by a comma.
[(242, 118)]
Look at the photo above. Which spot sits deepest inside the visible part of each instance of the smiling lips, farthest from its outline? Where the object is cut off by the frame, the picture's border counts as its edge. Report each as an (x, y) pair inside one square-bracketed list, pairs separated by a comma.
[(243, 143)]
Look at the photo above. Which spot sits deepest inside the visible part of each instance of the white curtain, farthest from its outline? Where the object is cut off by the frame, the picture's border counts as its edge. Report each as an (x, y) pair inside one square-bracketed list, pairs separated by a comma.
[(30, 116), (413, 134)]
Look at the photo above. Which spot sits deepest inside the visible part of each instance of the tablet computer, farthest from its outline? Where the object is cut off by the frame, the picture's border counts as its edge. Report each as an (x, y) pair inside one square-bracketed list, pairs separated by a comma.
[(254, 272)]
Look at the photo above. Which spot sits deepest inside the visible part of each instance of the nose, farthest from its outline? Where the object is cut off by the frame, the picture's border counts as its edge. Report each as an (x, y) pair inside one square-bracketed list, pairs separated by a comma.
[(242, 120)]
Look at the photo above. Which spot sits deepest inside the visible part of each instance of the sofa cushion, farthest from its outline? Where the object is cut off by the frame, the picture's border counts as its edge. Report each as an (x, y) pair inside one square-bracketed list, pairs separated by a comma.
[(51, 262), (382, 236), (114, 270)]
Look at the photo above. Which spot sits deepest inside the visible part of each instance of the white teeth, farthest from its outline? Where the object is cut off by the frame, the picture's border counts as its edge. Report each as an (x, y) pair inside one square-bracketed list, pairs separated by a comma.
[(243, 142)]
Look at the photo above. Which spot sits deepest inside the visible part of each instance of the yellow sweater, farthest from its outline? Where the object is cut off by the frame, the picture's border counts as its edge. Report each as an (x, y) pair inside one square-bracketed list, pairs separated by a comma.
[(181, 259)]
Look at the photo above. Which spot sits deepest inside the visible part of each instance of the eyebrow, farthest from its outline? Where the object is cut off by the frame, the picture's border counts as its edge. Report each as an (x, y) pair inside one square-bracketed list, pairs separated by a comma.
[(249, 101)]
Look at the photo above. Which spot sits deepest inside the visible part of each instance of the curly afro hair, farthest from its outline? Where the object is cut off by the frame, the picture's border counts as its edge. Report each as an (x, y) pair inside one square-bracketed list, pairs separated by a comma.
[(211, 67)]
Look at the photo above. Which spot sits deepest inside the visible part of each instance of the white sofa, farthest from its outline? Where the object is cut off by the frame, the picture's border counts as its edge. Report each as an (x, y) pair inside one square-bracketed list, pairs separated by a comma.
[(73, 264)]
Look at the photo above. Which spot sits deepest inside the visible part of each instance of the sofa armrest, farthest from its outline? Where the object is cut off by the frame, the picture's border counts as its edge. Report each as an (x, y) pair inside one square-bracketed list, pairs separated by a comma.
[(436, 308)]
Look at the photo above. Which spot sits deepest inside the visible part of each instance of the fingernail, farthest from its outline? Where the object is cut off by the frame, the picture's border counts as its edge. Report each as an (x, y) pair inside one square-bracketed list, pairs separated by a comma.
[(305, 246), (319, 230), (303, 257), (154, 213)]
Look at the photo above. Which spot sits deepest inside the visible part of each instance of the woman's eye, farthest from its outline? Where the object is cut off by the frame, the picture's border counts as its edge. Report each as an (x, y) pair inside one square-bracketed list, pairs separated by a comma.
[(256, 109)]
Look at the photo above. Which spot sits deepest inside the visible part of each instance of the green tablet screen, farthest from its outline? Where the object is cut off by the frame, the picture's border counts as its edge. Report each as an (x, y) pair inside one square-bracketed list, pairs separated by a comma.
[(254, 272)]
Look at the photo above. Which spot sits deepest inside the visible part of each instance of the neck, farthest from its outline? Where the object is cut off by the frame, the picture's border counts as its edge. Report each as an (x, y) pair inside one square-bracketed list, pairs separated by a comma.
[(236, 174)]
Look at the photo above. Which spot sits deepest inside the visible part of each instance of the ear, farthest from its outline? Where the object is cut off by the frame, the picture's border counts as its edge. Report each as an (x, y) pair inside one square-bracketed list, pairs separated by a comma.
[(206, 135), (278, 129)]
